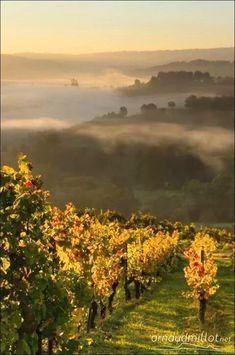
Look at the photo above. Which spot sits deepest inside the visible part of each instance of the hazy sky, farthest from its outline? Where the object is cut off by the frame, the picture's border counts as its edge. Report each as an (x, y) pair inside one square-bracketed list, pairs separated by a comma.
[(99, 26)]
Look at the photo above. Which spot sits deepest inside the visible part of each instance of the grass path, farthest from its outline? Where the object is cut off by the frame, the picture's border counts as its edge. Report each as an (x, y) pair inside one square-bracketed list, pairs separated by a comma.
[(164, 311)]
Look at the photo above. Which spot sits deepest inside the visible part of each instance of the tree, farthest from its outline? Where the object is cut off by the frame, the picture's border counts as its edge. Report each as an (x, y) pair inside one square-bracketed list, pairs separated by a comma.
[(190, 101), (171, 104), (137, 82), (145, 108), (123, 111), (198, 76)]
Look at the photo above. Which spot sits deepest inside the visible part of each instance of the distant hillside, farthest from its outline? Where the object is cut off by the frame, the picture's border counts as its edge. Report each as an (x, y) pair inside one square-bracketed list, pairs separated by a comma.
[(141, 58), (215, 68), (179, 82), (28, 66)]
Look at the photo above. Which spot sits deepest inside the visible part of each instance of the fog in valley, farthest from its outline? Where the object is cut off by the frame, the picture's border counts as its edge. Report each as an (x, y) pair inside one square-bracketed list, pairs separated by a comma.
[(55, 105), (106, 132)]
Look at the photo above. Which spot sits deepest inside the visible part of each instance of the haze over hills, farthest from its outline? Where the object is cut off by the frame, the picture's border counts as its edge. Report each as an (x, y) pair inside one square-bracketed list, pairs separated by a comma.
[(35, 66)]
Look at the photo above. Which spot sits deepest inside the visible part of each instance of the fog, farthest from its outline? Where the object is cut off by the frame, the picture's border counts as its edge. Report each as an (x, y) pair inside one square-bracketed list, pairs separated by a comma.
[(52, 105), (37, 124), (70, 105), (176, 163), (209, 144)]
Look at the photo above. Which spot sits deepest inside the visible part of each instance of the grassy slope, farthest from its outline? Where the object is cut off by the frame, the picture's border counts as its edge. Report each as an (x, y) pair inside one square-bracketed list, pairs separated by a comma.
[(164, 311)]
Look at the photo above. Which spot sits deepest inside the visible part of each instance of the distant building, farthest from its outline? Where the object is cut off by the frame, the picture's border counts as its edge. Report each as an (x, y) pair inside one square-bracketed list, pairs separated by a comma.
[(74, 82)]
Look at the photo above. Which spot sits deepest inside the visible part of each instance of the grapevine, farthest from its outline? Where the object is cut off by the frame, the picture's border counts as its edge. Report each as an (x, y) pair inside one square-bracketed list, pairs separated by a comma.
[(60, 267)]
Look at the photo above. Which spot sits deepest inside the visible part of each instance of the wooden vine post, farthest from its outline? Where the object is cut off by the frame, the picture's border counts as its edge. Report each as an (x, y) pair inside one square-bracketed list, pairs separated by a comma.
[(39, 334), (111, 297), (93, 310), (202, 299), (127, 291)]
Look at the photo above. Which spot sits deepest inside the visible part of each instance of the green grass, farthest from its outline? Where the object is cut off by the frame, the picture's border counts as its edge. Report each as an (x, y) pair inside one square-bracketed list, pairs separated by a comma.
[(165, 311)]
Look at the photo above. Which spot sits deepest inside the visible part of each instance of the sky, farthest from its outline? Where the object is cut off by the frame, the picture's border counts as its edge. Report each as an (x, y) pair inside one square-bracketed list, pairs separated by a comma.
[(76, 27)]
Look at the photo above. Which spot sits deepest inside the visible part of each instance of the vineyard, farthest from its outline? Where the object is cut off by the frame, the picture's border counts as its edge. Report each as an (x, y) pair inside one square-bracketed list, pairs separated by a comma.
[(65, 273)]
